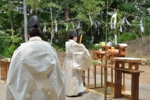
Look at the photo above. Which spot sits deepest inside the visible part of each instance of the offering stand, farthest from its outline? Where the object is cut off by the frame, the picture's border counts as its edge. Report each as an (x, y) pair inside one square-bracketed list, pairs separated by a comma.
[(133, 70), (97, 55), (4, 66), (108, 56)]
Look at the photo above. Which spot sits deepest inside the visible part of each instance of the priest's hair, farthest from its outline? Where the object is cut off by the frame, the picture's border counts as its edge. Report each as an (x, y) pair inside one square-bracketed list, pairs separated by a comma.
[(34, 31), (72, 33)]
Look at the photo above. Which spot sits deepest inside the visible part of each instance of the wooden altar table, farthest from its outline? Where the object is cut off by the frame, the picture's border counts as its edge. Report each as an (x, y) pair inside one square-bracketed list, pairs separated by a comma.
[(132, 68), (109, 58)]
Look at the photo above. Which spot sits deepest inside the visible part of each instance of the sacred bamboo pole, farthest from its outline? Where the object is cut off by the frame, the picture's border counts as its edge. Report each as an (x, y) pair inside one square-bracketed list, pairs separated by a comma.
[(105, 67), (83, 72)]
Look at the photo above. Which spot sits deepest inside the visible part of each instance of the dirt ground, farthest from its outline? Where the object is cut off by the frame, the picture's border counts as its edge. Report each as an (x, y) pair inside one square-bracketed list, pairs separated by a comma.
[(139, 48)]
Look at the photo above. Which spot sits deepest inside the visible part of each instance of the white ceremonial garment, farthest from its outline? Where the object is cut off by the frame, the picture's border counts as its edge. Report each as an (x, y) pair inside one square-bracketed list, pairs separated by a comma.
[(77, 59), (35, 73)]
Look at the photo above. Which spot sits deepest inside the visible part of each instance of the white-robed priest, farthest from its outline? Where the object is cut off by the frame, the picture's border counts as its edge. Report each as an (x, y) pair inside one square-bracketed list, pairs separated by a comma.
[(77, 59), (35, 72)]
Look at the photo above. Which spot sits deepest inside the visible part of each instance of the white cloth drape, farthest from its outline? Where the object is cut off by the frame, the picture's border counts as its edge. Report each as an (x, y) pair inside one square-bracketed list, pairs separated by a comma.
[(35, 73), (77, 59)]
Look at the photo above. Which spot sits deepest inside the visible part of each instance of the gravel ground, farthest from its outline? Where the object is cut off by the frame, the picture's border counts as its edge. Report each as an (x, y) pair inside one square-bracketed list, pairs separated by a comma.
[(86, 95), (144, 90)]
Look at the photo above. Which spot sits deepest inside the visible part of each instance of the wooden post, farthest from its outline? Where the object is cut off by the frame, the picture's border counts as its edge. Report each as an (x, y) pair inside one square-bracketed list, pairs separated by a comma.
[(80, 39)]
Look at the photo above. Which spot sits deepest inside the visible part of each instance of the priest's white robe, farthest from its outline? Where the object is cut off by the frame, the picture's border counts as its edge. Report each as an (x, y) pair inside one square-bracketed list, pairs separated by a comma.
[(77, 59), (35, 73)]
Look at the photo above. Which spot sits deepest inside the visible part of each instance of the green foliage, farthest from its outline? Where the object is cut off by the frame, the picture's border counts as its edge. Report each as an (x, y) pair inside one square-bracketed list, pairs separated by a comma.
[(126, 37), (53, 5), (128, 7), (7, 59), (58, 48), (9, 43), (79, 10), (60, 38), (96, 62), (86, 7), (86, 40), (147, 25), (88, 45), (33, 3), (8, 51), (119, 1)]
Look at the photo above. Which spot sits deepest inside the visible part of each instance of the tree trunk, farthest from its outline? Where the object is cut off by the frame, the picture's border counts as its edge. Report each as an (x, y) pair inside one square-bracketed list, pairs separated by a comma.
[(66, 10), (52, 32), (11, 23), (34, 11), (25, 20)]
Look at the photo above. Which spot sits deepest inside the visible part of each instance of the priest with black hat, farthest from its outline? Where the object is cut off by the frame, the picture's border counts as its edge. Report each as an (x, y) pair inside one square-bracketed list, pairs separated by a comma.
[(34, 71)]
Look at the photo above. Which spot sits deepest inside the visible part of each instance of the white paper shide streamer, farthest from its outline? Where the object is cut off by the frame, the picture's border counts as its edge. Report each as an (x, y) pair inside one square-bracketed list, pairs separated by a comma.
[(72, 24), (120, 28), (115, 38), (90, 20), (113, 21), (78, 26), (66, 27), (148, 9), (123, 21), (141, 26), (31, 10), (128, 22), (44, 29)]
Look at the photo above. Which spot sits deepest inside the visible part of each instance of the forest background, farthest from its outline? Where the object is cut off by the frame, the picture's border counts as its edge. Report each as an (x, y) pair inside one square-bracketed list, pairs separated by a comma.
[(128, 19)]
